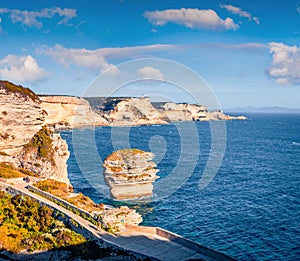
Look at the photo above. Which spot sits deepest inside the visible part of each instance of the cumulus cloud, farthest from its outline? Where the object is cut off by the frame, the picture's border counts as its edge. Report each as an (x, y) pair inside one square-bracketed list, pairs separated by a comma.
[(21, 69), (238, 11), (98, 59), (285, 66), (191, 18), (34, 18), (149, 72)]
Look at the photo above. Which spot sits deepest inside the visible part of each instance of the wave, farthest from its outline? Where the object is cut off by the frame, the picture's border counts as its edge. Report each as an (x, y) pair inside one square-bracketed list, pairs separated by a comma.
[(296, 143)]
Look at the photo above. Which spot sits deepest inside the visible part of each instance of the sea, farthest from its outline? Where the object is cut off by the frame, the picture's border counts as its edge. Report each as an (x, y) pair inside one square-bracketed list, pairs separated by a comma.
[(249, 207)]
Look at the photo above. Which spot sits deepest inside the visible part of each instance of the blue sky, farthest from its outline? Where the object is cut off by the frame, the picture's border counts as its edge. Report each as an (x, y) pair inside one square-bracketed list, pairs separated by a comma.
[(247, 51)]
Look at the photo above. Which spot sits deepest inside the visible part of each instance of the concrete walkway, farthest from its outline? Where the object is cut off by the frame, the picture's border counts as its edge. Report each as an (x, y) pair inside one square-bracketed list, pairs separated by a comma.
[(148, 244)]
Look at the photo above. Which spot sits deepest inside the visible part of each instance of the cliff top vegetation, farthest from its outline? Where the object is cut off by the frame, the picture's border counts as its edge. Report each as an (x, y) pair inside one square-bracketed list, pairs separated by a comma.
[(7, 171), (61, 190), (41, 143), (24, 92)]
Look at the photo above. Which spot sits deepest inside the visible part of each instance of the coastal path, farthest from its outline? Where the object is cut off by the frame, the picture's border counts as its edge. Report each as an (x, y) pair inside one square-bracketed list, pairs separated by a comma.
[(142, 241)]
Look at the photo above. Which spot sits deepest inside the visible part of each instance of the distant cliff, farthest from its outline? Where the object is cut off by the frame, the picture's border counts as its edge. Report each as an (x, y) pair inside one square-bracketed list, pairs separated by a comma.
[(24, 142), (69, 112), (131, 111), (140, 111)]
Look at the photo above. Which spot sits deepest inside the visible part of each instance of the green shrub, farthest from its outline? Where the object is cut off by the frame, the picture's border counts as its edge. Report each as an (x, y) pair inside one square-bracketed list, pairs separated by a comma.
[(27, 225), (41, 143), (24, 92)]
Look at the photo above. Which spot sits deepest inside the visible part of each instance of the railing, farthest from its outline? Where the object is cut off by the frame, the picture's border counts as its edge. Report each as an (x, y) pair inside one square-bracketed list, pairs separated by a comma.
[(215, 255), (86, 215)]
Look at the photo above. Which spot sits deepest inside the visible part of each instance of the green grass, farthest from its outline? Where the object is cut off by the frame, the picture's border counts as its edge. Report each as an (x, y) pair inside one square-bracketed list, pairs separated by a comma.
[(54, 187), (7, 171)]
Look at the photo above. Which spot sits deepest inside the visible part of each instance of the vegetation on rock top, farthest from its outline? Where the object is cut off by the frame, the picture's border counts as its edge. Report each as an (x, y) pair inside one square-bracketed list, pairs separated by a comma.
[(41, 143), (24, 92), (123, 153)]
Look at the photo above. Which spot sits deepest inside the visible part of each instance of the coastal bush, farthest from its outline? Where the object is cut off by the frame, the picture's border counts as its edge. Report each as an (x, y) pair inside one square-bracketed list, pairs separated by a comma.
[(61, 190), (54, 187), (41, 144), (7, 171), (18, 89), (27, 225), (27, 172)]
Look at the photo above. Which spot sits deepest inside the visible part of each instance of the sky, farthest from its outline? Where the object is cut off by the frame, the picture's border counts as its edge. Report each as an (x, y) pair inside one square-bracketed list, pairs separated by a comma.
[(247, 52)]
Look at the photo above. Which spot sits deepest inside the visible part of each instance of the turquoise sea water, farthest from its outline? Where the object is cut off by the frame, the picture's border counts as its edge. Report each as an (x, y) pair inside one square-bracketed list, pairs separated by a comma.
[(251, 209)]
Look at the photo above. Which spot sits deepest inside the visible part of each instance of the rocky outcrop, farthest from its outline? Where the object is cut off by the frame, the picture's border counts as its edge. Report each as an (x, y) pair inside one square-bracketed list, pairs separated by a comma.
[(132, 111), (46, 154), (24, 142), (130, 173), (124, 111), (20, 117), (116, 219), (193, 112), (69, 112)]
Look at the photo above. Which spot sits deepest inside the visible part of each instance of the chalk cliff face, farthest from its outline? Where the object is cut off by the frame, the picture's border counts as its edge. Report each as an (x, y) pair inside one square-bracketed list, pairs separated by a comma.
[(21, 126), (134, 111), (69, 112), (20, 117), (63, 112), (140, 111), (130, 173), (193, 112)]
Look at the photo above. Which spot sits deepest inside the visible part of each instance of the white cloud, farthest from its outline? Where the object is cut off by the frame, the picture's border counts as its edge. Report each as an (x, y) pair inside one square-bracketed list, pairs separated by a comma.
[(21, 69), (238, 11), (98, 59), (285, 66), (191, 18), (149, 72), (34, 18), (298, 9)]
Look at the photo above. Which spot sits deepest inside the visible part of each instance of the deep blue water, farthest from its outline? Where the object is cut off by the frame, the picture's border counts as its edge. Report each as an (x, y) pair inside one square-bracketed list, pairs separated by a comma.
[(250, 210)]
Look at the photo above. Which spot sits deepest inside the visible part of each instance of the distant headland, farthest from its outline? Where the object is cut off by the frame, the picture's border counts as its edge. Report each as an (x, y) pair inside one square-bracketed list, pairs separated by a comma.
[(74, 112)]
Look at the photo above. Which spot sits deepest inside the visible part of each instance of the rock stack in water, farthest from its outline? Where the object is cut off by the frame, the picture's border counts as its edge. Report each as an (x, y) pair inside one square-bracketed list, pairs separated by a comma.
[(130, 173)]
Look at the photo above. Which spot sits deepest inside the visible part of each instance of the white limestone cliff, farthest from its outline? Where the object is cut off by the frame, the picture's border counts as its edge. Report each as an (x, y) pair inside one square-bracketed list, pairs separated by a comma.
[(69, 112), (134, 111), (130, 173), (21, 119)]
